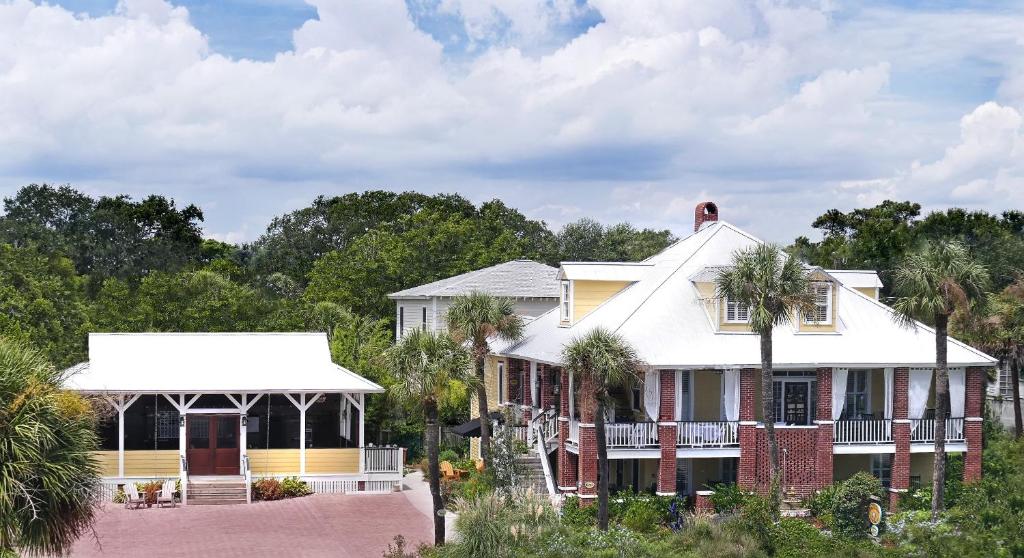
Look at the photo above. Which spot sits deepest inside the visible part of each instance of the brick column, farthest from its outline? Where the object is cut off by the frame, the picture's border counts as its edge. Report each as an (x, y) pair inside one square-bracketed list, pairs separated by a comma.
[(974, 393), (900, 476), (667, 434), (524, 370), (566, 461), (702, 504), (588, 448), (747, 474), (826, 428)]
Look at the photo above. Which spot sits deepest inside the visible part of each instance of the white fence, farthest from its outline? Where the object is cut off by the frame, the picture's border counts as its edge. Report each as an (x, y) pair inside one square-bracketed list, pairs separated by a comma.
[(863, 432), (707, 434), (384, 460), (632, 435), (923, 430)]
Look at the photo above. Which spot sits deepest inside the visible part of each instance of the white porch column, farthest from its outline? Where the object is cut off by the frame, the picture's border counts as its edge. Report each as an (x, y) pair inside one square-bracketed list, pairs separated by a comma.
[(302, 433), (182, 441), (242, 431), (120, 436), (362, 433)]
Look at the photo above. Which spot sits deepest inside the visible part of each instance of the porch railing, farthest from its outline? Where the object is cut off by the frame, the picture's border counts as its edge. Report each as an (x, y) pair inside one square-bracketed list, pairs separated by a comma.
[(707, 434), (923, 430), (550, 429), (383, 459), (863, 431), (632, 435), (574, 431)]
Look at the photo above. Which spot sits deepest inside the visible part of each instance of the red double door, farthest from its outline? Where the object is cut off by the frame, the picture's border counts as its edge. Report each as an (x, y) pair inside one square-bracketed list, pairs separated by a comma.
[(213, 444)]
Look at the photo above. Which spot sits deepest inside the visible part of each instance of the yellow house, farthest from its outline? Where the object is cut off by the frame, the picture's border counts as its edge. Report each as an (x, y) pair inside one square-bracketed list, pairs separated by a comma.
[(220, 409)]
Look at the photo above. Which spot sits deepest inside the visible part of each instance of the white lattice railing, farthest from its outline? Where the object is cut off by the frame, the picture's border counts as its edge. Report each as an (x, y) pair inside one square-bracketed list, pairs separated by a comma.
[(863, 431), (923, 430), (631, 435), (550, 429), (707, 434), (383, 460), (574, 431)]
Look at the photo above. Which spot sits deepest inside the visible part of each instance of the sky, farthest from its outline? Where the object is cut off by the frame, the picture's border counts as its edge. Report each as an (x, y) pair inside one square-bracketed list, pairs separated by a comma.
[(777, 110)]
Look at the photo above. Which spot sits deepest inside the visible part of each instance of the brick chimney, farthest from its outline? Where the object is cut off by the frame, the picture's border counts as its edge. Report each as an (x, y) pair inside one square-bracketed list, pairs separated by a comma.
[(706, 212)]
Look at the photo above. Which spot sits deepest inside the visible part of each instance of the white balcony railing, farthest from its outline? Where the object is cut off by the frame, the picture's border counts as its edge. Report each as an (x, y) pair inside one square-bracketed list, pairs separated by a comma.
[(863, 431), (707, 434), (383, 460), (632, 435), (923, 430), (550, 429)]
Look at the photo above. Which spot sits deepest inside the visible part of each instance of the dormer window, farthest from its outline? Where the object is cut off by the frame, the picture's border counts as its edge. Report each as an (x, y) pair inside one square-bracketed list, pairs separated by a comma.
[(736, 312), (566, 302), (821, 313)]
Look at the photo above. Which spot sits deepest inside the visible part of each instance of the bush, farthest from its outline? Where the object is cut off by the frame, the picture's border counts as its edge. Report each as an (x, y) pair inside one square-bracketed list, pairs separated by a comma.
[(850, 509), (577, 516), (292, 487), (757, 518), (794, 538), (727, 497), (149, 490), (823, 503), (642, 516), (448, 455), (267, 489)]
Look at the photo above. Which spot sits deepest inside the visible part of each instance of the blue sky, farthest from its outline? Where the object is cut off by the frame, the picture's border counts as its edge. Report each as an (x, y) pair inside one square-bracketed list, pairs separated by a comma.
[(778, 110)]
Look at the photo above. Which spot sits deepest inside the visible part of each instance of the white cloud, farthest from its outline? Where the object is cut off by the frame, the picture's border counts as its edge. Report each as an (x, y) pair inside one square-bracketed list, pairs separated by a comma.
[(731, 100)]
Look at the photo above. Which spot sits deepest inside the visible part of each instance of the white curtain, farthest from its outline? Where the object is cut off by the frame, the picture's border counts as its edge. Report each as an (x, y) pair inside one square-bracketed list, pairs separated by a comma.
[(838, 391), (534, 395), (917, 393), (889, 379), (731, 394), (652, 393), (956, 392)]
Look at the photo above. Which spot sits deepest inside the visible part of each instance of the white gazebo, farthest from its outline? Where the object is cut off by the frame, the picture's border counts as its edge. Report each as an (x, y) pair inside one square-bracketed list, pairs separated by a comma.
[(219, 405)]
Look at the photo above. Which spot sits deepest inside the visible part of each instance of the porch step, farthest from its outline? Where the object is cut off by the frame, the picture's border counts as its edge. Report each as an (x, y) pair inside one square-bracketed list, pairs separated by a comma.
[(216, 492), (533, 472)]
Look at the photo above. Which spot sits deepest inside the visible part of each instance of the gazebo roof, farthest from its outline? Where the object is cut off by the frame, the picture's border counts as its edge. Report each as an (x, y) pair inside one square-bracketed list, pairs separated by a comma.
[(212, 363)]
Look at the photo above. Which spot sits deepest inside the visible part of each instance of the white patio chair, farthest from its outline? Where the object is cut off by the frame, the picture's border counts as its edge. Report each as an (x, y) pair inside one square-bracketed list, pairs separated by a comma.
[(166, 495), (134, 500)]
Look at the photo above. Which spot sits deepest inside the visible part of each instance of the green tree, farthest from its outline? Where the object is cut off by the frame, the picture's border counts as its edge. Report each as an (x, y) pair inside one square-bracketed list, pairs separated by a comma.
[(600, 360), (476, 318), (588, 240), (48, 479), (428, 365), (930, 285), (775, 289)]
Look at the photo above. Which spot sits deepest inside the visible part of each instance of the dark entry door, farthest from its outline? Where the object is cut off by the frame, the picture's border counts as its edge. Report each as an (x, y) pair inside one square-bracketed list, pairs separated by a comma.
[(213, 445), (795, 403)]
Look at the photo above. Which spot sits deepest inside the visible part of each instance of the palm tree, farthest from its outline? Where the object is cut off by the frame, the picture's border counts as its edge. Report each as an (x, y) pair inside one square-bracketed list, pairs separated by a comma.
[(600, 360), (48, 479), (930, 285), (774, 287), (478, 317), (429, 367)]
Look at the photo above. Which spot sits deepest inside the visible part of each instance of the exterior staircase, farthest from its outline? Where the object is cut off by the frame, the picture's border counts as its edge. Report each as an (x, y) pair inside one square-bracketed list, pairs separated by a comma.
[(792, 505), (533, 472), (216, 491)]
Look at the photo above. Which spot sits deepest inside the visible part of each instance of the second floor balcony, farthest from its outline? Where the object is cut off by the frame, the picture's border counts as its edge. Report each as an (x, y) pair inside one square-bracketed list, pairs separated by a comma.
[(880, 431)]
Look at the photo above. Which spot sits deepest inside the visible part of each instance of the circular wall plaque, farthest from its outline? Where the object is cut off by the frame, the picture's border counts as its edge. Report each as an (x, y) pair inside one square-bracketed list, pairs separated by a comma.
[(589, 484), (874, 513)]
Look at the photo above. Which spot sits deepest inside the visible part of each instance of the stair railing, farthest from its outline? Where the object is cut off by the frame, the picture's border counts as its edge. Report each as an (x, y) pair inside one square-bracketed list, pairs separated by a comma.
[(537, 426)]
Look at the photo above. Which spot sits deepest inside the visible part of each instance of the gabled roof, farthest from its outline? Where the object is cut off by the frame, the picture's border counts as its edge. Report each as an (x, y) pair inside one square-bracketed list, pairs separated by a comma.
[(857, 278), (663, 317), (516, 279), (212, 363), (604, 271)]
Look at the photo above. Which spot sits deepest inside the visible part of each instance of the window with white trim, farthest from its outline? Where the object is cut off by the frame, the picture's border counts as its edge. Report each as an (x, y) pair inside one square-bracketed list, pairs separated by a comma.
[(423, 325), (565, 302), (858, 391), (1005, 380), (822, 311), (736, 312)]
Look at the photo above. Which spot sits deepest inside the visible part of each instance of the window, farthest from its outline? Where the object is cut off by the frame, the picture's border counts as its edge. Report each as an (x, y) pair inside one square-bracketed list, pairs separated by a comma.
[(796, 398), (822, 313), (858, 390), (566, 300), (401, 321), (1005, 380), (423, 325), (736, 313), (501, 381), (881, 467), (730, 465)]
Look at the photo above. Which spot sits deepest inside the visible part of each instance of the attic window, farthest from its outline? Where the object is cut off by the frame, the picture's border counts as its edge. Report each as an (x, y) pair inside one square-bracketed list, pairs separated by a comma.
[(565, 304), (822, 312), (736, 312)]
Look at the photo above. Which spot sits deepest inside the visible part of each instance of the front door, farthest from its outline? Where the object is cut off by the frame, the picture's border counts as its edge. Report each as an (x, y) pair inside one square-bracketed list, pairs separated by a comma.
[(795, 403), (213, 444)]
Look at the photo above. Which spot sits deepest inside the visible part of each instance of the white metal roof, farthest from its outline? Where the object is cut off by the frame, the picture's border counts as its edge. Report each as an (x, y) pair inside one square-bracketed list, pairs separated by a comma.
[(517, 279), (663, 318), (604, 271), (856, 278), (212, 363)]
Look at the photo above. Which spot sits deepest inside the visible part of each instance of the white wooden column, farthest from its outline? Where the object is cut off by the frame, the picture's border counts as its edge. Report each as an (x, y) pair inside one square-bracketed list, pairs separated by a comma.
[(302, 405), (362, 433), (121, 405)]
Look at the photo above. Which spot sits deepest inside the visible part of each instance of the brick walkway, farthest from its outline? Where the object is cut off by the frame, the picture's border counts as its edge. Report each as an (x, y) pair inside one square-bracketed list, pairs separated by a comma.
[(336, 525)]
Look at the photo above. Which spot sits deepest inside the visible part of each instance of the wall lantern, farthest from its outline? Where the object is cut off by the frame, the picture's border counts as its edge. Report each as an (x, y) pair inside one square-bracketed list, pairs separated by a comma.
[(245, 420), (556, 384), (181, 421)]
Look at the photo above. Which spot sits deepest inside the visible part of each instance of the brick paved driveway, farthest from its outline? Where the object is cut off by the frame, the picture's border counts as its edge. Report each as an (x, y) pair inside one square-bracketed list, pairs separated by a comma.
[(337, 525)]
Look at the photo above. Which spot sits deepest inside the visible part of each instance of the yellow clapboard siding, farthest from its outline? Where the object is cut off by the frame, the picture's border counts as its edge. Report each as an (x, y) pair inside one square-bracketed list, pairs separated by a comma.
[(870, 292), (335, 460), (107, 462), (588, 295), (274, 461), (150, 463)]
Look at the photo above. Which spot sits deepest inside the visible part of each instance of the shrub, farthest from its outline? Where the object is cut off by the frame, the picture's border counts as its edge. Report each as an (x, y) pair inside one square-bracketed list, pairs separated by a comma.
[(757, 518), (727, 497), (850, 510), (292, 487), (794, 538), (398, 549), (149, 490), (120, 497), (823, 503), (448, 455), (267, 489), (577, 516), (643, 516)]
